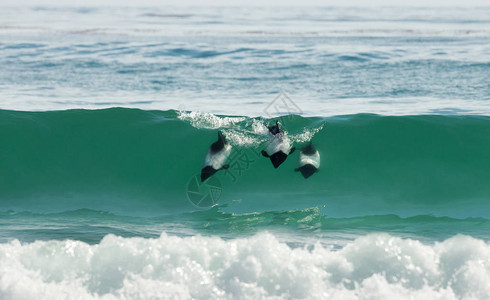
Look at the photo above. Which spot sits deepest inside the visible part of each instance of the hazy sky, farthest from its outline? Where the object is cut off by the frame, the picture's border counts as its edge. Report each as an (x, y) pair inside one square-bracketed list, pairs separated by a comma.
[(247, 2)]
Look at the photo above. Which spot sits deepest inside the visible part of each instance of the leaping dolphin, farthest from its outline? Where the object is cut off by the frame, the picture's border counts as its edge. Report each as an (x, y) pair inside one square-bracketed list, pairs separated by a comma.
[(309, 161), (215, 158), (279, 146)]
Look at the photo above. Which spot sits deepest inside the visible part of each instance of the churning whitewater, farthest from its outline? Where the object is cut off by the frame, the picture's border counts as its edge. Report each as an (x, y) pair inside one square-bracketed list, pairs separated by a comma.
[(376, 266)]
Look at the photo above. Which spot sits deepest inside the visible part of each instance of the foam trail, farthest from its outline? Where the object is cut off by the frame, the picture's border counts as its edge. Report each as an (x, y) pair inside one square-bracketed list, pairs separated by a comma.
[(377, 266)]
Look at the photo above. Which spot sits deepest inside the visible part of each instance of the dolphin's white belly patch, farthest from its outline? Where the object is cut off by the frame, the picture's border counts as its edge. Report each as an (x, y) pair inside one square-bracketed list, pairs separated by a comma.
[(277, 143), (312, 159), (218, 159)]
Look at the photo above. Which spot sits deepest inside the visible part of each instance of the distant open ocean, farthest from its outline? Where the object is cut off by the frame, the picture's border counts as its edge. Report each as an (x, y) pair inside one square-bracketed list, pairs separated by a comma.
[(106, 115)]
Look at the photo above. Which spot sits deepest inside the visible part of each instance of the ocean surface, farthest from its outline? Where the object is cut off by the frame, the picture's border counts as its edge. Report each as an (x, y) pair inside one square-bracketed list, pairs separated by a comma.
[(106, 115)]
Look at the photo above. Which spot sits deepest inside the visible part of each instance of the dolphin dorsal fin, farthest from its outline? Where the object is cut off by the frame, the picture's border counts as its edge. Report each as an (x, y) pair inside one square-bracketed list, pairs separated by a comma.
[(221, 137)]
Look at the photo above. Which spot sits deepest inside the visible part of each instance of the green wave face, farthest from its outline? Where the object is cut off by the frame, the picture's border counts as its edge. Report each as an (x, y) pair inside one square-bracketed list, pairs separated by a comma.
[(138, 162)]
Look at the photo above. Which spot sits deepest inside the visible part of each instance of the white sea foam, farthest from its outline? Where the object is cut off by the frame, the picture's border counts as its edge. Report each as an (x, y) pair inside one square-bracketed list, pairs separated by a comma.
[(306, 135), (243, 138), (377, 266), (208, 120), (238, 135), (248, 137)]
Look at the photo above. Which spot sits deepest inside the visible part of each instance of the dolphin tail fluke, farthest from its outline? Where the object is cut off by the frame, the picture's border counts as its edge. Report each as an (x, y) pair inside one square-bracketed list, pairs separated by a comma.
[(207, 172), (278, 158), (265, 153), (292, 150), (308, 170)]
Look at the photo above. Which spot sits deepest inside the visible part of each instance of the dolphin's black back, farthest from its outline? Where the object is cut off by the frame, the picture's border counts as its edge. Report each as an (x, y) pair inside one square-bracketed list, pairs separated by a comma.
[(309, 149), (274, 129), (219, 144)]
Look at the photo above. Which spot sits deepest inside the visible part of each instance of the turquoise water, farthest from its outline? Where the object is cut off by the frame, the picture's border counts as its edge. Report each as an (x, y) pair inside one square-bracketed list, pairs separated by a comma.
[(106, 115), (378, 173)]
